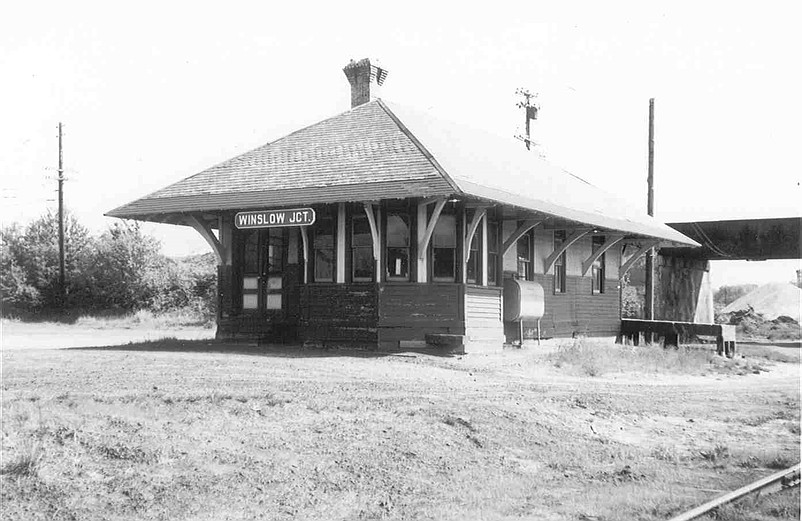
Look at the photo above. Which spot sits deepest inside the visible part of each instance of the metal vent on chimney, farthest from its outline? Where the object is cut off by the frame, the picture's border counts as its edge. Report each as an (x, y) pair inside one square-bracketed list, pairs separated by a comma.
[(365, 79)]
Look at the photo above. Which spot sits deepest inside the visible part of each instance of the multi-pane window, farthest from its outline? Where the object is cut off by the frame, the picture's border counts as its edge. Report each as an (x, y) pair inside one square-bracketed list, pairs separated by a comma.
[(597, 270), (250, 271), (472, 273), (274, 266), (559, 264), (492, 253), (323, 241), (444, 249), (524, 246), (397, 246), (361, 249)]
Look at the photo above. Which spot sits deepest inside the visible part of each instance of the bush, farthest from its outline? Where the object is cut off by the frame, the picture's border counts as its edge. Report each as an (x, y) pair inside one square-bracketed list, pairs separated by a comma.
[(122, 270)]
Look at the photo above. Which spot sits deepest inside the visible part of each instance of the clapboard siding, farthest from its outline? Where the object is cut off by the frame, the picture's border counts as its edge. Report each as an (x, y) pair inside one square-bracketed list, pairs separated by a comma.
[(410, 311), (482, 304), (577, 311), (484, 329)]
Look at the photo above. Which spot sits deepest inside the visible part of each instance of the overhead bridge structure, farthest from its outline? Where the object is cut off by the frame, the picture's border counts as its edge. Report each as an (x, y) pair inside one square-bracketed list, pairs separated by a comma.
[(682, 274)]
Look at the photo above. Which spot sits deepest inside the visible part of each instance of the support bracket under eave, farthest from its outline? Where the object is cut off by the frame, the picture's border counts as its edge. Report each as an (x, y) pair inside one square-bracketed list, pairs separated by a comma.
[(640, 252), (611, 240), (478, 214), (517, 234), (548, 263), (206, 232), (423, 245), (374, 234)]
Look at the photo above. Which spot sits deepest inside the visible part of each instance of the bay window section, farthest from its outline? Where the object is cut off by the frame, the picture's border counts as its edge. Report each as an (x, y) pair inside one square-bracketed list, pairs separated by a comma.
[(361, 250), (398, 237), (444, 249), (323, 241)]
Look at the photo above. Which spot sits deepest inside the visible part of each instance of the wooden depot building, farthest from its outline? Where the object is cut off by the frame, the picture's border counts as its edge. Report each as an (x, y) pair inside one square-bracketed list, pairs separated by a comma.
[(383, 224)]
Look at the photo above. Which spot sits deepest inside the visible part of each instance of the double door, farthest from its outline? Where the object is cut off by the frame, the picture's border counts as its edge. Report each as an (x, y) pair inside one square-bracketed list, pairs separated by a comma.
[(264, 258)]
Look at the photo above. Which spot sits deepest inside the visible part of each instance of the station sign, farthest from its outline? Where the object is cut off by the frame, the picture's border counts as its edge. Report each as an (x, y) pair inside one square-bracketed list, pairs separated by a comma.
[(274, 218)]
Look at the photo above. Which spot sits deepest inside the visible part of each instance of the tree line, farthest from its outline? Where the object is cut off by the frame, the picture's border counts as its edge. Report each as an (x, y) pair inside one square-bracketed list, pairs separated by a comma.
[(121, 269)]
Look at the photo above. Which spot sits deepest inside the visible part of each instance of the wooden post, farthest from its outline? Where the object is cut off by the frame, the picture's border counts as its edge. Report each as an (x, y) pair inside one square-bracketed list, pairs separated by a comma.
[(649, 303), (340, 243)]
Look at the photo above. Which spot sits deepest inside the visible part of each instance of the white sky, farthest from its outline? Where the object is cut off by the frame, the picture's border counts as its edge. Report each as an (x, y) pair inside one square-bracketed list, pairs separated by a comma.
[(152, 92)]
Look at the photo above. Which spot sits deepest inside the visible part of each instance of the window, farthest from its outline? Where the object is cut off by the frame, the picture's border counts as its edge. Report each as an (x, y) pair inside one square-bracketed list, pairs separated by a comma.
[(524, 246), (361, 249), (559, 264), (472, 266), (397, 246), (444, 249), (492, 253), (262, 266), (274, 267), (597, 270), (323, 242), (250, 272)]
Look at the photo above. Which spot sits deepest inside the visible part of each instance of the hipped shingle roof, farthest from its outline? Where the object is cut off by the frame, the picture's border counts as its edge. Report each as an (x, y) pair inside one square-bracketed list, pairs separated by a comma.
[(381, 150)]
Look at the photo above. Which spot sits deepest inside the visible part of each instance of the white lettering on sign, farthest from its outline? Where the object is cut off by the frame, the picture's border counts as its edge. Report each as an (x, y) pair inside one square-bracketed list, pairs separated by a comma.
[(275, 218)]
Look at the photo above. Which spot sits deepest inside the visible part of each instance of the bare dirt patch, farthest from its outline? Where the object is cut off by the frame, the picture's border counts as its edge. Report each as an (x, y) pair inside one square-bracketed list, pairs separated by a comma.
[(188, 430)]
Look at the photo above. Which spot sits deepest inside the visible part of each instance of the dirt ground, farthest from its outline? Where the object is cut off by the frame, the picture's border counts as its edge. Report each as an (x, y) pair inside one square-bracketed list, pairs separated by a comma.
[(198, 430)]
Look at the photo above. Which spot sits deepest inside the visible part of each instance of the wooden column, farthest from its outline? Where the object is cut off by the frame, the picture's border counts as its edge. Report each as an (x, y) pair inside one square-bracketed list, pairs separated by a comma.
[(485, 267), (341, 243)]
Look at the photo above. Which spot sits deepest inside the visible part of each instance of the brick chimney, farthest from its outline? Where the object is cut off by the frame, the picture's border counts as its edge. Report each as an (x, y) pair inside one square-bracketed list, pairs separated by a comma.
[(365, 79)]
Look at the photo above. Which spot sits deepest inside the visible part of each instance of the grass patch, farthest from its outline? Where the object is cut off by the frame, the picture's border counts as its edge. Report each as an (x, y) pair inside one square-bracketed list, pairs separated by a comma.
[(186, 317), (595, 358)]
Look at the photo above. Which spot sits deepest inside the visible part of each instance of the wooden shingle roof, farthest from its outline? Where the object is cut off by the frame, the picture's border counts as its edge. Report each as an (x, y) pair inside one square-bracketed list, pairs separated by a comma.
[(383, 151)]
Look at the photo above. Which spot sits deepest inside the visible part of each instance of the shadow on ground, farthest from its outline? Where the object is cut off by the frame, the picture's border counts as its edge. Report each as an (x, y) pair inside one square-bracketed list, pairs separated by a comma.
[(267, 350)]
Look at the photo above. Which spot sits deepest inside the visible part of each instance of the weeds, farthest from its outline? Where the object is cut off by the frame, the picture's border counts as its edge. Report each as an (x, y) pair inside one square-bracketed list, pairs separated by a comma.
[(26, 464), (715, 455), (595, 358)]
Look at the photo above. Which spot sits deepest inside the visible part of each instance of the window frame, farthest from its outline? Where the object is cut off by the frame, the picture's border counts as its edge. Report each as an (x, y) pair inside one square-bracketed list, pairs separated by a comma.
[(598, 270), (357, 217), (455, 256), (475, 258), (526, 263), (323, 216), (560, 264), (406, 216), (493, 254)]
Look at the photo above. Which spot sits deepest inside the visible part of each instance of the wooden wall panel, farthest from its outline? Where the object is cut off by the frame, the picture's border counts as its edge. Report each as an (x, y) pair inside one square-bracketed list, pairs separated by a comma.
[(410, 311), (338, 313)]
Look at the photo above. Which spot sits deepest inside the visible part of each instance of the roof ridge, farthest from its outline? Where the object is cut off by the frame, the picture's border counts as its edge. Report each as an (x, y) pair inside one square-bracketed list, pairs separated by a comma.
[(428, 155)]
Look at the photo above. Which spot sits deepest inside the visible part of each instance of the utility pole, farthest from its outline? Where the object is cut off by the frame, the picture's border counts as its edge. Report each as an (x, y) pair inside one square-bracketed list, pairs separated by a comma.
[(649, 304), (61, 278), (530, 112)]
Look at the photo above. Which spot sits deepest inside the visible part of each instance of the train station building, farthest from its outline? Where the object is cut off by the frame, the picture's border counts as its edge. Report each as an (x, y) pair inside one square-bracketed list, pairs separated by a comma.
[(384, 226)]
